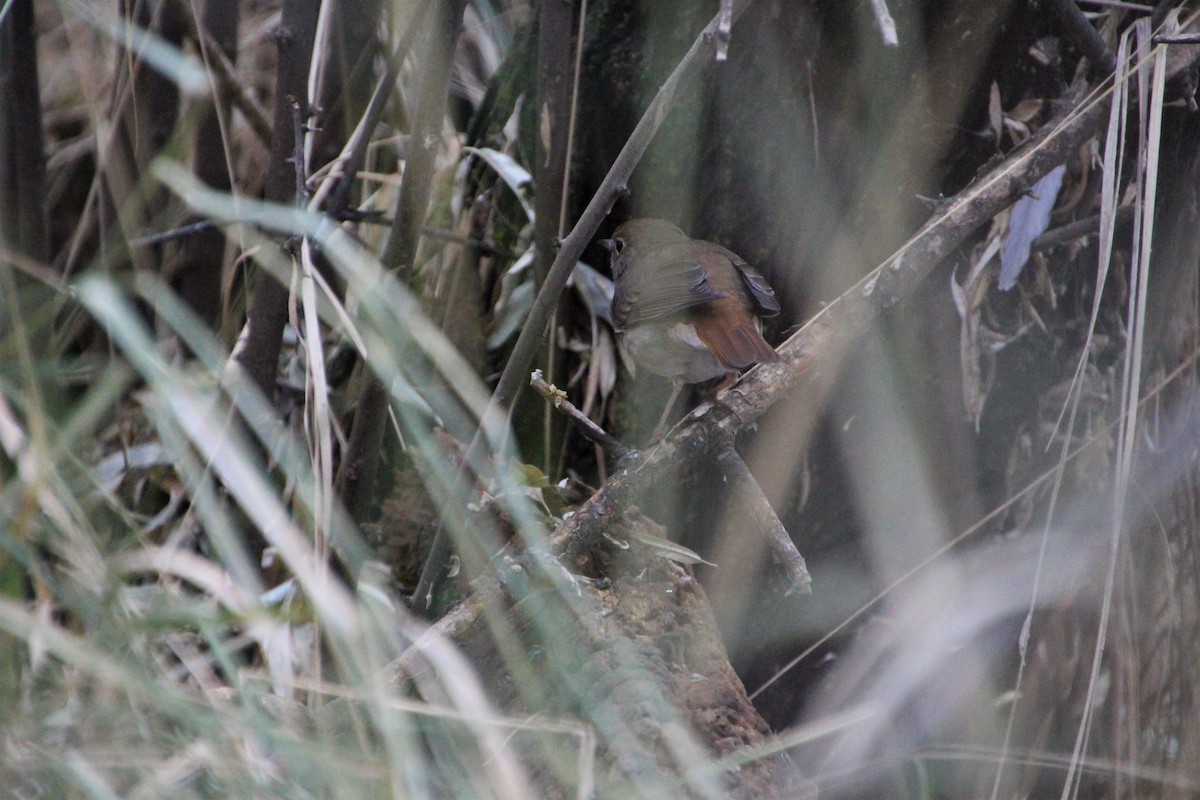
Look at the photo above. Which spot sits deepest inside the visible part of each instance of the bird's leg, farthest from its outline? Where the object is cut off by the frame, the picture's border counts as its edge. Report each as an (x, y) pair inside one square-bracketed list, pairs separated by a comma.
[(660, 429)]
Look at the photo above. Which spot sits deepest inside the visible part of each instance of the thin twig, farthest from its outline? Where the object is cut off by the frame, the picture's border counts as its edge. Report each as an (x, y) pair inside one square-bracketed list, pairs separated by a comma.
[(1181, 38), (228, 82), (182, 232), (299, 115), (1077, 230), (347, 215), (239, 96), (551, 170), (1118, 4), (477, 245), (1086, 38), (571, 120), (754, 502), (356, 149), (592, 431)]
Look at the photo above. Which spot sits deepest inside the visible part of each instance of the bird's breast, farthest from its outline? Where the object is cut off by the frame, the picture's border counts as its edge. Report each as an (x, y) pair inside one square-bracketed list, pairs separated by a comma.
[(673, 350)]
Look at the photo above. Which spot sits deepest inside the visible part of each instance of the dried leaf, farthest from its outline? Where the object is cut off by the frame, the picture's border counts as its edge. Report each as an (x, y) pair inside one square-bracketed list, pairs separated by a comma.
[(513, 174), (995, 112), (595, 290), (514, 302), (530, 475), (1030, 216), (512, 126), (1026, 110), (974, 357), (112, 469), (970, 359), (604, 362), (664, 548), (511, 315), (1019, 131)]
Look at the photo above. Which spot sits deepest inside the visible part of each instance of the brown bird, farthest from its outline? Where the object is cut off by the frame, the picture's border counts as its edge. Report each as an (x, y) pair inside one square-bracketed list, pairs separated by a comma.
[(688, 309)]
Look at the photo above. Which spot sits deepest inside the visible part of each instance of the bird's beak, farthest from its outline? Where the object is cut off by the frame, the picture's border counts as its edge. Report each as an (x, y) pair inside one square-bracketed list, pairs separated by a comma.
[(607, 244)]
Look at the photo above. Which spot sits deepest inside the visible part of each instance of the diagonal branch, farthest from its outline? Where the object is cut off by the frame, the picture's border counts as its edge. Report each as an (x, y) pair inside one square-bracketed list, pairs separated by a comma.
[(756, 506), (1085, 36), (590, 430), (810, 355)]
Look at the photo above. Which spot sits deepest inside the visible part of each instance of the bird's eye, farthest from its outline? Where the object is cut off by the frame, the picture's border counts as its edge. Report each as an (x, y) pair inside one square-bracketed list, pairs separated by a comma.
[(618, 245)]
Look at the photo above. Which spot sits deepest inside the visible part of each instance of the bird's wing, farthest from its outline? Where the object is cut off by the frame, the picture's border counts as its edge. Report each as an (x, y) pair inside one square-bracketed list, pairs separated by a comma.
[(651, 292), (761, 291)]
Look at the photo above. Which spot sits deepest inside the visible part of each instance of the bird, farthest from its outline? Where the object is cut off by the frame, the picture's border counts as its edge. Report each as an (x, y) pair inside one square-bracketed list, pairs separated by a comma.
[(686, 309)]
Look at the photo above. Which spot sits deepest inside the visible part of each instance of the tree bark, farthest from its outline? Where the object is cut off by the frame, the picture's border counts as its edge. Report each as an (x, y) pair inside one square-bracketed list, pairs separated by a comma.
[(268, 311), (203, 255), (22, 164)]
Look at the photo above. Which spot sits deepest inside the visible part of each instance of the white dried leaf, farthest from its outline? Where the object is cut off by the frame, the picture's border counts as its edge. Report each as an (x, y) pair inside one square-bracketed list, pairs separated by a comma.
[(1030, 217), (995, 112), (671, 551), (513, 174)]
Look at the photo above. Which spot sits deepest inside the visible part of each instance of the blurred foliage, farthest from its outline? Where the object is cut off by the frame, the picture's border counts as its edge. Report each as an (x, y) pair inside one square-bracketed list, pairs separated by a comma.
[(146, 650)]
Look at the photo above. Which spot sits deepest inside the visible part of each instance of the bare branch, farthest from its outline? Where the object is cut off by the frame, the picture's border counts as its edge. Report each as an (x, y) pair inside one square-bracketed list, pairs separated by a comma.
[(593, 432), (755, 504)]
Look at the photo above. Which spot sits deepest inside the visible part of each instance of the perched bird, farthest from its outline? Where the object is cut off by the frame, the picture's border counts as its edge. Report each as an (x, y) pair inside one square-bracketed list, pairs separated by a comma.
[(688, 309)]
